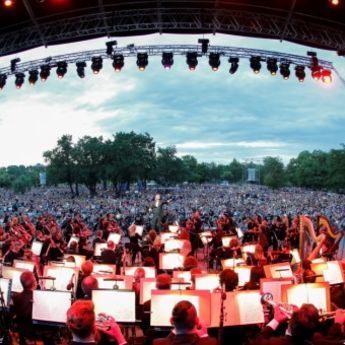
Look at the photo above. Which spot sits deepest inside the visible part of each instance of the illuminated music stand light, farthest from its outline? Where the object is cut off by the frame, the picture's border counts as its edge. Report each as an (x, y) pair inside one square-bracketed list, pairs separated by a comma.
[(117, 282), (78, 259), (279, 270), (50, 307), (206, 281), (104, 269), (150, 272), (5, 289), (36, 248), (173, 228), (98, 248), (13, 274), (120, 304), (163, 302), (26, 265), (226, 240), (241, 308), (165, 236), (274, 286), (314, 293), (170, 261), (173, 245), (115, 237), (243, 273), (231, 263)]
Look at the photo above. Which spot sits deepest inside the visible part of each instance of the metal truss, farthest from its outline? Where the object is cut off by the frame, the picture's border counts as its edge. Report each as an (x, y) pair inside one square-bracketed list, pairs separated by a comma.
[(157, 50), (298, 28)]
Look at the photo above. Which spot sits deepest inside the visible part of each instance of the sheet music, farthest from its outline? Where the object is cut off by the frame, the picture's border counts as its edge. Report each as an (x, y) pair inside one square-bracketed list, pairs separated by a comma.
[(206, 281), (333, 274), (274, 286)]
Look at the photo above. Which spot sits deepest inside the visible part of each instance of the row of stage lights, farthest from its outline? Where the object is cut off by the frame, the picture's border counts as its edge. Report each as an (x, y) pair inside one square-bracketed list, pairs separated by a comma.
[(317, 72)]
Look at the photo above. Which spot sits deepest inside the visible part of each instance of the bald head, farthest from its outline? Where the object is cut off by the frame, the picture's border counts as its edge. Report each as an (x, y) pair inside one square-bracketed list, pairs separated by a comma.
[(88, 284)]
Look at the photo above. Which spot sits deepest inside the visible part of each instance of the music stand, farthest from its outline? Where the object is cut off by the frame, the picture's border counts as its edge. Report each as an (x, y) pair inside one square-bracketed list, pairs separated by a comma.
[(26, 265), (163, 302), (64, 276), (173, 228), (226, 240), (150, 272), (73, 239), (243, 274), (170, 261), (36, 247), (50, 307), (279, 270), (185, 275), (173, 245), (13, 274), (98, 248), (115, 237), (120, 304), (206, 281), (274, 286), (104, 269), (78, 259), (165, 236)]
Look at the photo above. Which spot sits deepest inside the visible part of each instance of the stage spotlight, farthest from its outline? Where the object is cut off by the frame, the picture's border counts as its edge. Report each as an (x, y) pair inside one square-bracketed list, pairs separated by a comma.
[(204, 44), (285, 70), (300, 73), (3, 78), (272, 66), (326, 76), (61, 69), (255, 64), (118, 62), (316, 72), (110, 47), (81, 69), (334, 2), (45, 72), (167, 60), (14, 64), (8, 3), (33, 77), (234, 65), (214, 61), (192, 60), (142, 61), (97, 64), (19, 80)]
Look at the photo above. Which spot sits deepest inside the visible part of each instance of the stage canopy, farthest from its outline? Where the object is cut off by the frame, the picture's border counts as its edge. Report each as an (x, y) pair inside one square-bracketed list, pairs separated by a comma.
[(31, 23)]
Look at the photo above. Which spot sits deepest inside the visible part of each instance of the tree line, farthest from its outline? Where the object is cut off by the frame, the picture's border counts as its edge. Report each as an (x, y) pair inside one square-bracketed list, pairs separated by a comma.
[(131, 157)]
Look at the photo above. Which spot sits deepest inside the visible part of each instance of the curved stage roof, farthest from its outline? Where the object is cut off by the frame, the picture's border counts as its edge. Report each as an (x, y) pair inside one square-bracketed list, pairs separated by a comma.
[(31, 23)]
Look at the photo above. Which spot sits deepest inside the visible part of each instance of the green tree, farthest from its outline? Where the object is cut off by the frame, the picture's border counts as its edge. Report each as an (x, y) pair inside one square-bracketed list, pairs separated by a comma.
[(273, 172)]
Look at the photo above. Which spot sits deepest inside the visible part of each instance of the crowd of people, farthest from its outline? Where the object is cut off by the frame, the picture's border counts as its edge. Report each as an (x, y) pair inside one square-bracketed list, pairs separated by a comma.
[(253, 214)]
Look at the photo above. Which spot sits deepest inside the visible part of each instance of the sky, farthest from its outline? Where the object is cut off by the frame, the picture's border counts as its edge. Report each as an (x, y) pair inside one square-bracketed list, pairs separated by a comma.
[(213, 116)]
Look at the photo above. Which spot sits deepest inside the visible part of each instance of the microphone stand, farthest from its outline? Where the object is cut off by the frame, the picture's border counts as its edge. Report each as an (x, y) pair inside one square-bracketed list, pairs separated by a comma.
[(221, 316)]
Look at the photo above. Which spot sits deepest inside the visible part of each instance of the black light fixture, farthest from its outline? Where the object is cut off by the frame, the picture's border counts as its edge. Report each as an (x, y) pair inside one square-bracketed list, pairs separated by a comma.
[(110, 47), (20, 77), (204, 44), (272, 66), (167, 60), (3, 78), (255, 64), (61, 69), (285, 70), (234, 65), (97, 64), (45, 72), (118, 62), (300, 73), (214, 61), (81, 69), (33, 77), (192, 60), (142, 61), (14, 64)]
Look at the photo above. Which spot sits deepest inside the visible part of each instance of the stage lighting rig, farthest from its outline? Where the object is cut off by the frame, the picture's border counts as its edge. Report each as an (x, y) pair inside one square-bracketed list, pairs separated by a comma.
[(19, 81), (110, 47), (97, 64), (8, 3), (118, 62), (167, 60), (204, 44), (3, 78), (234, 64), (61, 69), (272, 66), (214, 61), (33, 77), (300, 73), (14, 64), (255, 64), (326, 76), (45, 72), (284, 69), (81, 69), (192, 60), (142, 61)]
